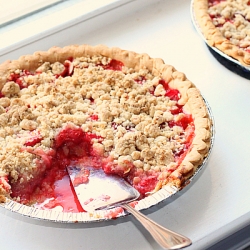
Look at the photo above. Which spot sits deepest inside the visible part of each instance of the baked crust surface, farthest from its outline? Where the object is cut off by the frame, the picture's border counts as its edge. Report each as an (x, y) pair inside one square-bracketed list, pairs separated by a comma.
[(225, 26), (45, 105)]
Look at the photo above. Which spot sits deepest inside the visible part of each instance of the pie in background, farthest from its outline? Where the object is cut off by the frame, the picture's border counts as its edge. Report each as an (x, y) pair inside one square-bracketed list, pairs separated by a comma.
[(225, 26), (124, 112)]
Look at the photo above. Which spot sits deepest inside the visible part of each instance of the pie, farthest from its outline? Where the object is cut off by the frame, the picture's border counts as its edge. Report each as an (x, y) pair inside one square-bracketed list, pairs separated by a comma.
[(225, 25), (108, 108)]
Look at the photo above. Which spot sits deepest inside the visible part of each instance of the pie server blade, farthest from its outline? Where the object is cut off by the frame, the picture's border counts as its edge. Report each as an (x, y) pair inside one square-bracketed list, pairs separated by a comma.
[(97, 190)]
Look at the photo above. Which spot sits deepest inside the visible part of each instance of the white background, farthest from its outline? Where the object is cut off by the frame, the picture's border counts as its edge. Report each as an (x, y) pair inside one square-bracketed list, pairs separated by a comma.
[(11, 9)]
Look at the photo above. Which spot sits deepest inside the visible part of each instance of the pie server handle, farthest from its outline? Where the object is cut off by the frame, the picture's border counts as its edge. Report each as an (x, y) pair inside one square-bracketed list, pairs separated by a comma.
[(164, 237)]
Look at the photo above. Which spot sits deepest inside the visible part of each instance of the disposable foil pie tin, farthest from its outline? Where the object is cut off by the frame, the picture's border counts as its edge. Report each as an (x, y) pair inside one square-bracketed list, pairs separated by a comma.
[(102, 215), (227, 61)]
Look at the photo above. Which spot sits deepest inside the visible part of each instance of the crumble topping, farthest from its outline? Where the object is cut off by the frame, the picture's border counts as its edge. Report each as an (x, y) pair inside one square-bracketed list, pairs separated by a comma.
[(225, 25), (127, 120), (232, 18)]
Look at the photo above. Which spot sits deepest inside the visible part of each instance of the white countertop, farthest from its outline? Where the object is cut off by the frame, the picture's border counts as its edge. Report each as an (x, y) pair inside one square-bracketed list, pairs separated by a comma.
[(216, 203)]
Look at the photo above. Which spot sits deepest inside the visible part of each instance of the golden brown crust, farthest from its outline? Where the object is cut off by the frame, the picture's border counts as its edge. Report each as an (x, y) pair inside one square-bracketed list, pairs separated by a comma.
[(214, 36), (190, 95)]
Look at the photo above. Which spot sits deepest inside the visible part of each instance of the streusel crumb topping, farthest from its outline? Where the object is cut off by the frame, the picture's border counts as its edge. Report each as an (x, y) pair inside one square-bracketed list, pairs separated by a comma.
[(232, 18), (225, 26)]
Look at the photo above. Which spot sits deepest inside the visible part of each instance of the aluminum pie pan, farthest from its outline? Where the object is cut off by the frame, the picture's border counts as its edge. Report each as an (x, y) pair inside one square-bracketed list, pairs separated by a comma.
[(227, 61), (104, 215)]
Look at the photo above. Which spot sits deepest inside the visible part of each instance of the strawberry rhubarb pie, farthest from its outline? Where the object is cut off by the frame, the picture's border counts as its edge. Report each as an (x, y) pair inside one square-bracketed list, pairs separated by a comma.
[(226, 25), (108, 108)]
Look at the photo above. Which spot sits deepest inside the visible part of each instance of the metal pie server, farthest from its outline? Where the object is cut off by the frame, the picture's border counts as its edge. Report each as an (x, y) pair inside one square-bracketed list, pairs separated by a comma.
[(97, 190)]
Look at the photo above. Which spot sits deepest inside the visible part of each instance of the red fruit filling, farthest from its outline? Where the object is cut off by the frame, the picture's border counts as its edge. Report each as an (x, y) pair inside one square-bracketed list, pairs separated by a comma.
[(173, 94), (34, 139), (140, 79), (180, 154), (113, 65), (81, 177), (18, 78), (51, 186), (144, 182), (94, 117), (114, 213), (176, 110), (68, 68)]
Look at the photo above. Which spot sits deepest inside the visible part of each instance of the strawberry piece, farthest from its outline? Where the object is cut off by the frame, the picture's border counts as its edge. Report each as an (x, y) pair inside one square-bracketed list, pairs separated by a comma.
[(34, 139), (94, 117), (114, 65)]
